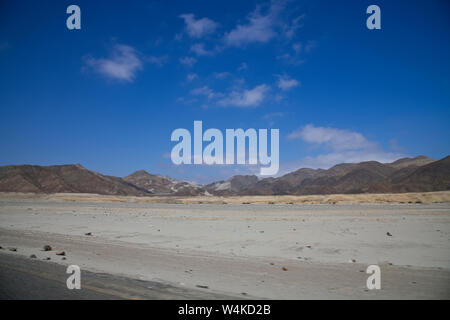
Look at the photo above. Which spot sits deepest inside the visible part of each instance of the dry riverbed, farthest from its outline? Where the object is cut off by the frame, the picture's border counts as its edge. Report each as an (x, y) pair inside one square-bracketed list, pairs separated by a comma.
[(285, 251)]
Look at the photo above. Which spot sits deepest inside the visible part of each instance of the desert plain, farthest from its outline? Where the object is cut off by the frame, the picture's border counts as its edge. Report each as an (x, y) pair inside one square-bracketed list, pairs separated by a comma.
[(277, 247)]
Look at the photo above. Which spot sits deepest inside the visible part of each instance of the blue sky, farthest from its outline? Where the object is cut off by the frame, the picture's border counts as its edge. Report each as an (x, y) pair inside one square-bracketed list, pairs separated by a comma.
[(109, 95)]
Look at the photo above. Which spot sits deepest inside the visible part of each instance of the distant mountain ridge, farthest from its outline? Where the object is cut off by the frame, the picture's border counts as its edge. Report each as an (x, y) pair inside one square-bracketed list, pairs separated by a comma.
[(419, 174), (162, 185), (63, 178)]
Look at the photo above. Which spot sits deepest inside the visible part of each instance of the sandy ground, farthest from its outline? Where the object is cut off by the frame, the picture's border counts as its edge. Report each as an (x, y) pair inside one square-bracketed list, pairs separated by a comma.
[(241, 250), (414, 197)]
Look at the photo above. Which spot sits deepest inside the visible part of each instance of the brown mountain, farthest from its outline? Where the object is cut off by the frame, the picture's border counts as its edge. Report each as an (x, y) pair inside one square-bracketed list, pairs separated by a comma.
[(233, 185), (162, 185), (418, 174), (64, 178), (411, 162), (434, 176), (404, 175)]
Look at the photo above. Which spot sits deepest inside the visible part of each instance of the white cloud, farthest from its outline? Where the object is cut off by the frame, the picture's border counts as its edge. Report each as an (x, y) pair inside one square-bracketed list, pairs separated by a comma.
[(311, 44), (246, 98), (291, 30), (198, 28), (123, 64), (297, 47), (243, 66), (285, 83), (272, 115), (346, 147), (199, 49), (337, 139), (259, 29), (191, 76), (188, 61), (204, 91), (221, 75), (159, 61), (291, 59)]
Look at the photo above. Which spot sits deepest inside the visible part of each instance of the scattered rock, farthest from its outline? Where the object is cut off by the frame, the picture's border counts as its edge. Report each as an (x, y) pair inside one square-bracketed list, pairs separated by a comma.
[(388, 234), (12, 249), (309, 247), (284, 269), (33, 256), (352, 260), (88, 234), (272, 263), (202, 286), (244, 293), (47, 248), (63, 258), (48, 258), (61, 253), (1, 247), (261, 232)]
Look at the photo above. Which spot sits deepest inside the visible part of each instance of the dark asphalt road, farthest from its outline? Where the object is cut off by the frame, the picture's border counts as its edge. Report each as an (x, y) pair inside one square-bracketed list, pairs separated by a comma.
[(26, 278)]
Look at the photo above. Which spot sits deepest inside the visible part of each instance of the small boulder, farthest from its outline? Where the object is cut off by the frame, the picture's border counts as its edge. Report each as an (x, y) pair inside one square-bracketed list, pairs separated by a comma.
[(61, 253), (202, 286), (388, 234), (33, 256), (284, 269), (47, 248)]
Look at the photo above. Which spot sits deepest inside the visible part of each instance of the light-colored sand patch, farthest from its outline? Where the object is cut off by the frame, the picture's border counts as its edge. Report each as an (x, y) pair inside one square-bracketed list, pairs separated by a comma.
[(416, 197)]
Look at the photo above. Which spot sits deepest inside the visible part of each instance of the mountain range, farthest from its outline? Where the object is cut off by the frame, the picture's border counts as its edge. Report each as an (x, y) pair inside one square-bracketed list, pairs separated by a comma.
[(419, 174)]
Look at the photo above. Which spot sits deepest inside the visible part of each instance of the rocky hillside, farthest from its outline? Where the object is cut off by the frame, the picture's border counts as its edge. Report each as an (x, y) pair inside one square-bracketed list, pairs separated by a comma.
[(418, 174), (64, 178), (163, 185)]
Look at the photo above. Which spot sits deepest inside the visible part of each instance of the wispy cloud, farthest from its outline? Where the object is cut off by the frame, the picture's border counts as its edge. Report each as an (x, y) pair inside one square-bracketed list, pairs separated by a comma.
[(199, 49), (158, 61), (290, 30), (286, 83), (310, 45), (299, 51), (123, 63), (259, 29), (297, 47), (337, 139), (246, 98), (204, 91), (198, 28), (221, 75), (340, 146), (191, 76), (242, 67), (273, 115), (188, 61)]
